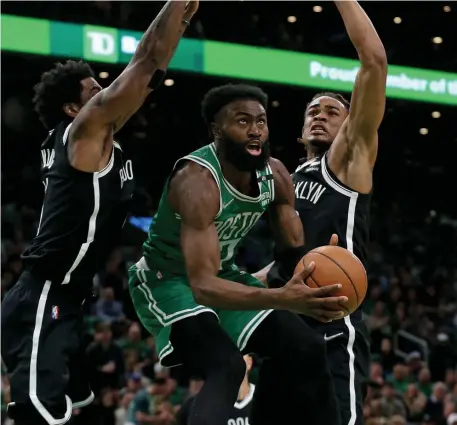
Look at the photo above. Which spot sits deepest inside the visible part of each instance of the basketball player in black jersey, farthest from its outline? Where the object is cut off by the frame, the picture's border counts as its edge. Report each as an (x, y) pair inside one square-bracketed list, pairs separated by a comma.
[(88, 182), (240, 412), (332, 195)]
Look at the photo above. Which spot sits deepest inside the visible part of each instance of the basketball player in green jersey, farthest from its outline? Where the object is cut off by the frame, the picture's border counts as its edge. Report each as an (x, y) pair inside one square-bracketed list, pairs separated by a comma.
[(202, 309)]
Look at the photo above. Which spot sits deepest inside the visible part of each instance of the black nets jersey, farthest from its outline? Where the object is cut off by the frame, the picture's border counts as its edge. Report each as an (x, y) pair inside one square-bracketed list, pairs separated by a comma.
[(82, 213), (327, 206), (238, 414)]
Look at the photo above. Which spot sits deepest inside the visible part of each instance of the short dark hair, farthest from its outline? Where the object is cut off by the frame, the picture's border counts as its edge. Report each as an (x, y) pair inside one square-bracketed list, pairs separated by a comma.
[(218, 97), (336, 96), (60, 85)]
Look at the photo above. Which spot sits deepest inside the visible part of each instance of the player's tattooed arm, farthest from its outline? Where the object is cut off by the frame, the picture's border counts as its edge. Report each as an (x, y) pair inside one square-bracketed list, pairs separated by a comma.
[(93, 128), (357, 143), (194, 195)]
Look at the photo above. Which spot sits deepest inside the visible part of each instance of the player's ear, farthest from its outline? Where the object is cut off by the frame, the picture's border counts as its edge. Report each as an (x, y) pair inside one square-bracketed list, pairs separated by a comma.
[(71, 109), (215, 130)]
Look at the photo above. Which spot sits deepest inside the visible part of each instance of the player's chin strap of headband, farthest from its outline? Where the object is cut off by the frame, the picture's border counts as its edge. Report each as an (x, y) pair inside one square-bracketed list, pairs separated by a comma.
[(283, 268)]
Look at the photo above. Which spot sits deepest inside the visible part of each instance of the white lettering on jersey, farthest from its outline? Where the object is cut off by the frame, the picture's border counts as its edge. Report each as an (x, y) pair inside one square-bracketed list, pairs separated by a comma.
[(232, 230), (310, 191), (47, 157), (265, 198), (126, 172), (237, 226), (238, 421)]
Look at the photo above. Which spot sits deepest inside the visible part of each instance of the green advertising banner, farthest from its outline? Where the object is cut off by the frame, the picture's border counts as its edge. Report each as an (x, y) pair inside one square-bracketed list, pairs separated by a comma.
[(111, 45)]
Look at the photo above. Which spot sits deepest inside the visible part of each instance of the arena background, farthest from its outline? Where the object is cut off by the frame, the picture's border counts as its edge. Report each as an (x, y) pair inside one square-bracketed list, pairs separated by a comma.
[(411, 306)]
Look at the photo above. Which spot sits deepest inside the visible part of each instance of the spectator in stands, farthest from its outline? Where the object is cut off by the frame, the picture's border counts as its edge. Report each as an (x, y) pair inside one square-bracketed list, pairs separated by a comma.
[(390, 404), (106, 360), (387, 356), (147, 406), (435, 403), (425, 382), (400, 378), (107, 308), (415, 401)]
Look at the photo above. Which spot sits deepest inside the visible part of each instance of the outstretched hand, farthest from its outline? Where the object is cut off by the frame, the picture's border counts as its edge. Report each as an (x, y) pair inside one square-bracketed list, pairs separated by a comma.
[(191, 8)]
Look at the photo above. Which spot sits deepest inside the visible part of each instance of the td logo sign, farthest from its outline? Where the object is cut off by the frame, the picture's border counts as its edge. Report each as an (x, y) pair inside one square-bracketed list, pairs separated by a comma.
[(100, 44)]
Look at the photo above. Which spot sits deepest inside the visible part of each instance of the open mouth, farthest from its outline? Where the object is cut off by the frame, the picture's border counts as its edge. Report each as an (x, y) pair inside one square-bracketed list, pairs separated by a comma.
[(318, 129), (254, 147)]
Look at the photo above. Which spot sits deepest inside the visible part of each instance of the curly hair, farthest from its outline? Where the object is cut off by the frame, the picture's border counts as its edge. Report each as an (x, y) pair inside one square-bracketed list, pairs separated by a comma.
[(333, 95), (60, 85), (218, 97)]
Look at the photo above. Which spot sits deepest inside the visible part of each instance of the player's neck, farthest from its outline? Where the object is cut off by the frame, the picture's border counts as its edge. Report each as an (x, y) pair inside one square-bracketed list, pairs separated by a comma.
[(316, 149), (310, 155), (244, 389)]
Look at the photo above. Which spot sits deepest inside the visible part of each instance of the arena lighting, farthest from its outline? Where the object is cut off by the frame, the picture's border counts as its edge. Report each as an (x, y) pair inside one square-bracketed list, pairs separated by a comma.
[(220, 59), (103, 74), (397, 20), (275, 103), (169, 82), (291, 19), (423, 131), (437, 40), (436, 114), (317, 9), (447, 8)]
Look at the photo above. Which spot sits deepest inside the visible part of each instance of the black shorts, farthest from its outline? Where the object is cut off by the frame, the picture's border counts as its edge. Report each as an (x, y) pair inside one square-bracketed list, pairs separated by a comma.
[(41, 336), (348, 352)]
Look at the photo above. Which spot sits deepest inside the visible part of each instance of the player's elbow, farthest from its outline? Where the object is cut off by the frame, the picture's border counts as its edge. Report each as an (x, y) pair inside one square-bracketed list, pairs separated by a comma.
[(375, 58), (201, 290)]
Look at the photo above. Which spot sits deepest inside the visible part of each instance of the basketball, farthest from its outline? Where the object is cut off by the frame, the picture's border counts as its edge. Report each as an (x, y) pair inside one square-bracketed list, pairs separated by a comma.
[(337, 265)]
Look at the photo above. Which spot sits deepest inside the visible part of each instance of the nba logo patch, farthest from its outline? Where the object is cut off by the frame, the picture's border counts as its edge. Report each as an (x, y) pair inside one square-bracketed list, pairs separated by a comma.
[(55, 312)]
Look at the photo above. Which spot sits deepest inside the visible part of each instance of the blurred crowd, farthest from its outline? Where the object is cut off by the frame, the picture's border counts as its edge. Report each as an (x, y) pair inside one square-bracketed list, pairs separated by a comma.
[(411, 311)]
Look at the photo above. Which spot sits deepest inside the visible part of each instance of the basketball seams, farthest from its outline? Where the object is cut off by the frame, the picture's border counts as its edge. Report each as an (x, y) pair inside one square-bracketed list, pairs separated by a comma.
[(344, 271), (314, 280), (320, 286)]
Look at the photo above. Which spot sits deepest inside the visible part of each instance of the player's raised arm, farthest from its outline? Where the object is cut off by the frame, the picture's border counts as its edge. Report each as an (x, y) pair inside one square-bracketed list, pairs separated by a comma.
[(194, 195), (359, 133), (92, 129)]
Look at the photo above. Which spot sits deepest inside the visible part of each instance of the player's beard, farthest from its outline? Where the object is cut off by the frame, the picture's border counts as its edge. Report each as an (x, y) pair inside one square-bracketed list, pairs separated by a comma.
[(237, 155)]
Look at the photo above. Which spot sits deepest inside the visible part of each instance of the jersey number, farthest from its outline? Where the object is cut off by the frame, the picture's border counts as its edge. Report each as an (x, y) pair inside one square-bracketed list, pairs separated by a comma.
[(227, 249)]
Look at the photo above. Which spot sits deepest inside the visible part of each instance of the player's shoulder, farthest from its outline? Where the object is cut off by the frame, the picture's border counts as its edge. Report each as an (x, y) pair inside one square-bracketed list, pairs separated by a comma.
[(191, 172), (193, 181), (277, 167)]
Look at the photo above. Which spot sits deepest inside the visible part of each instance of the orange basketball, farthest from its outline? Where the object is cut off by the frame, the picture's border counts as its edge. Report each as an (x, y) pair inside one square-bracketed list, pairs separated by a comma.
[(334, 264)]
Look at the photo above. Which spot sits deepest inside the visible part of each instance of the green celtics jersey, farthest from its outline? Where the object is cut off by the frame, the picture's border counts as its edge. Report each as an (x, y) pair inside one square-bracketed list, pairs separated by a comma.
[(237, 215)]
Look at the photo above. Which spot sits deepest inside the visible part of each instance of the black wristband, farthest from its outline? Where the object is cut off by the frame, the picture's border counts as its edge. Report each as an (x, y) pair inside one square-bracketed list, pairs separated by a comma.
[(157, 79)]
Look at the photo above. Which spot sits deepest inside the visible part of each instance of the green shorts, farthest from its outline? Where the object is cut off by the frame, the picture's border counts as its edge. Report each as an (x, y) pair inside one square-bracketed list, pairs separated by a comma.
[(161, 299)]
